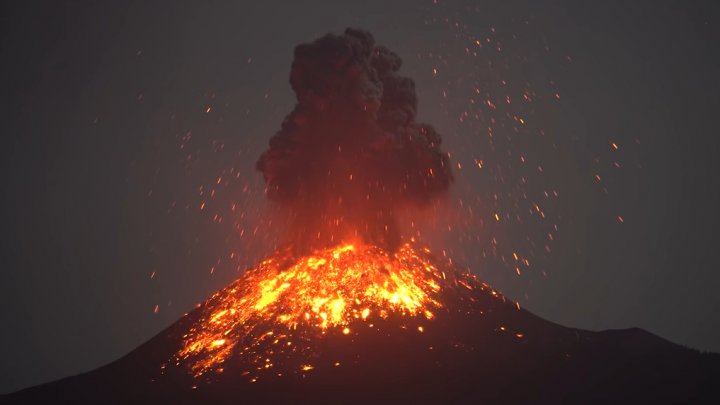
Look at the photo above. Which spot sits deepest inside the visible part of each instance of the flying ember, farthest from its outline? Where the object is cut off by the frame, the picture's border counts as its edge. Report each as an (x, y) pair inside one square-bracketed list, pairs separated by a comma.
[(274, 312)]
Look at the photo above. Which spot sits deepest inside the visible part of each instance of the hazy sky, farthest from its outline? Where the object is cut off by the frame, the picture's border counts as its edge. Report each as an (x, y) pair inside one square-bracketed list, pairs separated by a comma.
[(118, 118)]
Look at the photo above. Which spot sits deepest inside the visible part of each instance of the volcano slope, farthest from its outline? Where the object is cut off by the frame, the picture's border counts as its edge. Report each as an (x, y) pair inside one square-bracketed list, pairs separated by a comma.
[(355, 324)]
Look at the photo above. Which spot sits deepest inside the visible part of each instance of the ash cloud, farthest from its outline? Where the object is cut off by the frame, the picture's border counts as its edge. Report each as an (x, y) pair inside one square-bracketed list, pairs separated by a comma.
[(351, 155)]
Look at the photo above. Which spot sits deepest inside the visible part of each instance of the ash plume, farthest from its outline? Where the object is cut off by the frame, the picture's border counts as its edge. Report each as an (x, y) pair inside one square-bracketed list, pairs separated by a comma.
[(351, 155)]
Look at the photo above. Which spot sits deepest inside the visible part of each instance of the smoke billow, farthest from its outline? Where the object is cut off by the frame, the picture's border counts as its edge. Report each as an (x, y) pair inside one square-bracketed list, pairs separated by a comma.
[(350, 154)]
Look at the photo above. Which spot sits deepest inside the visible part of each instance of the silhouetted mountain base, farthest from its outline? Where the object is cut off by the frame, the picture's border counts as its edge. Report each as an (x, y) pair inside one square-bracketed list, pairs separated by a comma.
[(502, 355)]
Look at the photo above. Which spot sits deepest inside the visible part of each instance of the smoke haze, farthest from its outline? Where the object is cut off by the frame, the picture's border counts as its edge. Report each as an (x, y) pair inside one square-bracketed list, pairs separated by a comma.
[(351, 154)]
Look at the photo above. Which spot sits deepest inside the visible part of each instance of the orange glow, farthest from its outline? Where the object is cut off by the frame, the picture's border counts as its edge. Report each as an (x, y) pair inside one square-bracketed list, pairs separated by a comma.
[(258, 316)]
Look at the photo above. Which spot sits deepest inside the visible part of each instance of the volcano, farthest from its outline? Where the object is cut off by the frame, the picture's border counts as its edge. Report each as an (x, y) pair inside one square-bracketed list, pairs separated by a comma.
[(358, 324), (351, 310)]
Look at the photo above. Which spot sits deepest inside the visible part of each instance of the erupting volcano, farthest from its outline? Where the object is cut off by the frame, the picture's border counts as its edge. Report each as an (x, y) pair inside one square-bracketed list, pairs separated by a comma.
[(349, 310)]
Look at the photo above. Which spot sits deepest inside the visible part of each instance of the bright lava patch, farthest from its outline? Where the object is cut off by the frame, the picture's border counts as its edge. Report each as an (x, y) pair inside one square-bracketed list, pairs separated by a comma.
[(271, 312)]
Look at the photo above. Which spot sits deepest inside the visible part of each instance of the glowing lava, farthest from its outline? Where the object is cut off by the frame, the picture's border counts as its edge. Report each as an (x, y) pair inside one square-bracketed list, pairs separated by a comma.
[(270, 313)]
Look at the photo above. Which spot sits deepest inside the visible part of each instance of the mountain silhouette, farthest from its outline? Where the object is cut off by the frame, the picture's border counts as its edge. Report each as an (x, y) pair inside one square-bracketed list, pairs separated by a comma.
[(479, 348)]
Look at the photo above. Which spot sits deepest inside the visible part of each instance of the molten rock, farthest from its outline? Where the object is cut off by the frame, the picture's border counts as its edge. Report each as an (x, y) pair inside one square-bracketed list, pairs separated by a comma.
[(274, 316)]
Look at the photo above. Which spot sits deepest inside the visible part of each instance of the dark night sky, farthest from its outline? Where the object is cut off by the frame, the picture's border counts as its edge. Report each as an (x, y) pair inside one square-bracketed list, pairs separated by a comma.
[(98, 194)]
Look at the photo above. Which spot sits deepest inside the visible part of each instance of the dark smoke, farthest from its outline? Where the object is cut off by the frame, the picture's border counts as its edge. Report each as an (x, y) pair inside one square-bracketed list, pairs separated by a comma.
[(350, 155)]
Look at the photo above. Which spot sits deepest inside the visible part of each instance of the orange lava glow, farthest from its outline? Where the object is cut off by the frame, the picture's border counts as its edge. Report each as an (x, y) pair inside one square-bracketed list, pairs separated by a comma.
[(258, 316)]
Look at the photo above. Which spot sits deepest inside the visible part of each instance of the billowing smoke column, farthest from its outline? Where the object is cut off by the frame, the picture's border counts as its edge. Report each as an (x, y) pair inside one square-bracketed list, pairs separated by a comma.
[(350, 155)]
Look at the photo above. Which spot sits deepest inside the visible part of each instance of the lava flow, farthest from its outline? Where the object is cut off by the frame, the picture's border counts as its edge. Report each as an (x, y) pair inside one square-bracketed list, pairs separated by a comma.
[(276, 312)]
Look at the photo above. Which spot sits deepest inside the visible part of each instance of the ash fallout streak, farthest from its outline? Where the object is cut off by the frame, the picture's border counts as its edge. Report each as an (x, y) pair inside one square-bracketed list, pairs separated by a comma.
[(350, 155)]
